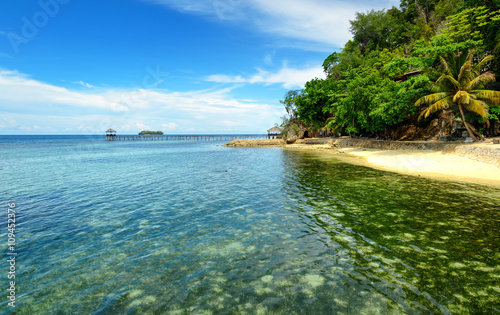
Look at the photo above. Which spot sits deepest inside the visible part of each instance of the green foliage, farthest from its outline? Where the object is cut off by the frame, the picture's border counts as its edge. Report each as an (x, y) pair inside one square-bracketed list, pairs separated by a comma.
[(414, 9), (290, 103), (494, 113), (353, 109), (290, 121), (470, 24), (147, 132), (478, 25), (446, 8), (379, 30), (313, 103), (371, 103), (330, 63), (400, 65), (429, 52), (365, 90), (422, 30)]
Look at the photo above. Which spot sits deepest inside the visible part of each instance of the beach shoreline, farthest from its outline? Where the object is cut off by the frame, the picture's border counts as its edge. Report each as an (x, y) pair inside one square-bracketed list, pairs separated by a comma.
[(473, 163)]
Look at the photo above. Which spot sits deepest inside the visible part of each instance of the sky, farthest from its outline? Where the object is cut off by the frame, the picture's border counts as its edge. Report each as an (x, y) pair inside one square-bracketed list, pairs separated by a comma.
[(182, 67)]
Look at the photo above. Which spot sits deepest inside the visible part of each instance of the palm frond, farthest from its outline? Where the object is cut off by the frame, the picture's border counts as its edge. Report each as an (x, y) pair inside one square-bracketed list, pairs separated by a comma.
[(480, 66), (446, 66), (442, 104), (461, 97), (478, 107), (480, 81), (485, 93), (492, 98), (449, 78), (432, 98), (465, 71), (461, 82), (437, 88)]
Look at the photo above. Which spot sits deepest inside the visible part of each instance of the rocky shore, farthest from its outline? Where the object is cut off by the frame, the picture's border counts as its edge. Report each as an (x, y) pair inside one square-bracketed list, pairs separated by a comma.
[(256, 143)]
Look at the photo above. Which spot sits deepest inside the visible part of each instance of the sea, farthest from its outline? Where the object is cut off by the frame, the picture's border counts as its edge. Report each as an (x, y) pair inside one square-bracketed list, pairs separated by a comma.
[(89, 226)]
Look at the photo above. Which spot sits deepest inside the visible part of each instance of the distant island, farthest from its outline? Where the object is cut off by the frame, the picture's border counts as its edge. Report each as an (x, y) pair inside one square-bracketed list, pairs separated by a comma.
[(147, 132)]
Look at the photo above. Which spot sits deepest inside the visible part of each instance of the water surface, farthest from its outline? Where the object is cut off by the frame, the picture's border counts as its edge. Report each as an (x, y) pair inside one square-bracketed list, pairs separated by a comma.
[(194, 227)]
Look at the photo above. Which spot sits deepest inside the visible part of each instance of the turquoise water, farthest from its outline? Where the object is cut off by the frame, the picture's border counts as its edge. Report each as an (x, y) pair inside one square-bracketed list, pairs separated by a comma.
[(197, 228)]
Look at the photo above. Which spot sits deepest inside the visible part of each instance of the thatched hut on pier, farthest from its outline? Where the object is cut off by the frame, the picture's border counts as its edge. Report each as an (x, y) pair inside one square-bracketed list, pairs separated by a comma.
[(110, 134), (274, 133)]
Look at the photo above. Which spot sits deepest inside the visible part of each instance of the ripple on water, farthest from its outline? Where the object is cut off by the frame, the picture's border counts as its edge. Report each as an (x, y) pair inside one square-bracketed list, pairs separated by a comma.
[(159, 228)]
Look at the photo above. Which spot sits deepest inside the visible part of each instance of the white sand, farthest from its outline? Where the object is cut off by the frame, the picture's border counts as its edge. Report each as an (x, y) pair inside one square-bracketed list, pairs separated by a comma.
[(429, 164), (415, 162)]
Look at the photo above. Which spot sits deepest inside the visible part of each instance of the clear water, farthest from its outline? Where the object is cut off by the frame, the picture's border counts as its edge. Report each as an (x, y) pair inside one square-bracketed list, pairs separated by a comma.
[(197, 228)]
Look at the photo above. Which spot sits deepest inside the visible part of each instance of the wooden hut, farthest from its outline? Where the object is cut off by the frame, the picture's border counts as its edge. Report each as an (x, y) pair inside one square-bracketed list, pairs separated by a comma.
[(274, 133), (110, 134)]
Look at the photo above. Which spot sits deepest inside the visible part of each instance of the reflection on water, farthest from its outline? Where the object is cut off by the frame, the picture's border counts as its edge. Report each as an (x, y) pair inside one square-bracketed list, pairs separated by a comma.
[(205, 229)]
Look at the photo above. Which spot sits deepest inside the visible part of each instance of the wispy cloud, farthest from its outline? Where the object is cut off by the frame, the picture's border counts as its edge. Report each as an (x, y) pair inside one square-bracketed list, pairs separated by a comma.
[(169, 126), (287, 77), (60, 109), (87, 85), (268, 60), (319, 21), (21, 89)]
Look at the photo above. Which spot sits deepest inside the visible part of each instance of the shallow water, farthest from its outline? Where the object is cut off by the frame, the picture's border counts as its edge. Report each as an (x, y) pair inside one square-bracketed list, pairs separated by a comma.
[(192, 227)]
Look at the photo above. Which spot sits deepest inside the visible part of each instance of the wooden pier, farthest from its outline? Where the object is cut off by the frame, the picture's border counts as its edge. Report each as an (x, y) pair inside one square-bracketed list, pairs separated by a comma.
[(114, 137)]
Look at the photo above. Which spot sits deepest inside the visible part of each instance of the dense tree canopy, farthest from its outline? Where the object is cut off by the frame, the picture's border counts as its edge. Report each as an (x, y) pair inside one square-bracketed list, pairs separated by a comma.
[(374, 81)]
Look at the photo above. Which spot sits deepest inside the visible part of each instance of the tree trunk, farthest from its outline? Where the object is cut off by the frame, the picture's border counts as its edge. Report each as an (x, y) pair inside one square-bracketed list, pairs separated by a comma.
[(465, 123)]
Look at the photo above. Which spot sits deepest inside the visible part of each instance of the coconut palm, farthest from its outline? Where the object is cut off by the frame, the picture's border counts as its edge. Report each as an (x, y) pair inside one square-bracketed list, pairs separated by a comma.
[(461, 84)]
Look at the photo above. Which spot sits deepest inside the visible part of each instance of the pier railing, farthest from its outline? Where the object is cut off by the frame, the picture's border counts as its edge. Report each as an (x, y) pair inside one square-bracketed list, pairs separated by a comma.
[(184, 137)]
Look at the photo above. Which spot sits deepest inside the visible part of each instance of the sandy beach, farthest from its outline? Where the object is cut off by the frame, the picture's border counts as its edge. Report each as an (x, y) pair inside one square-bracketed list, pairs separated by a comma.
[(431, 164), (426, 163)]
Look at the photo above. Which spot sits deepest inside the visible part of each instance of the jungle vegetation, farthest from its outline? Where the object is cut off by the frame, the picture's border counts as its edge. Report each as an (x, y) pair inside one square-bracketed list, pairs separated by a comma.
[(405, 70)]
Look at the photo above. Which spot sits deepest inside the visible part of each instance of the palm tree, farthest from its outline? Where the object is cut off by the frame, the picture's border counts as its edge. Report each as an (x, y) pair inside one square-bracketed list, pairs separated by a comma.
[(462, 85)]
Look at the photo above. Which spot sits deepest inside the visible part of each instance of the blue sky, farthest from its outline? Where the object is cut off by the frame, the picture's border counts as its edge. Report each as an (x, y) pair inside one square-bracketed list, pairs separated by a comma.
[(193, 66)]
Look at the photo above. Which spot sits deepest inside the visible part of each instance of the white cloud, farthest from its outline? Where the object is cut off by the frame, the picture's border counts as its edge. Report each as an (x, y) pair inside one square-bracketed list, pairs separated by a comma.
[(7, 123), (35, 128), (224, 78), (324, 22), (85, 128), (169, 126), (287, 77), (126, 127), (19, 88), (230, 123), (142, 126), (85, 84), (89, 112)]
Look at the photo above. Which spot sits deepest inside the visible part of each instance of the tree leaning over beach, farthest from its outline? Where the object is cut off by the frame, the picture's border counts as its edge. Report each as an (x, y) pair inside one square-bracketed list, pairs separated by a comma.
[(461, 87)]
